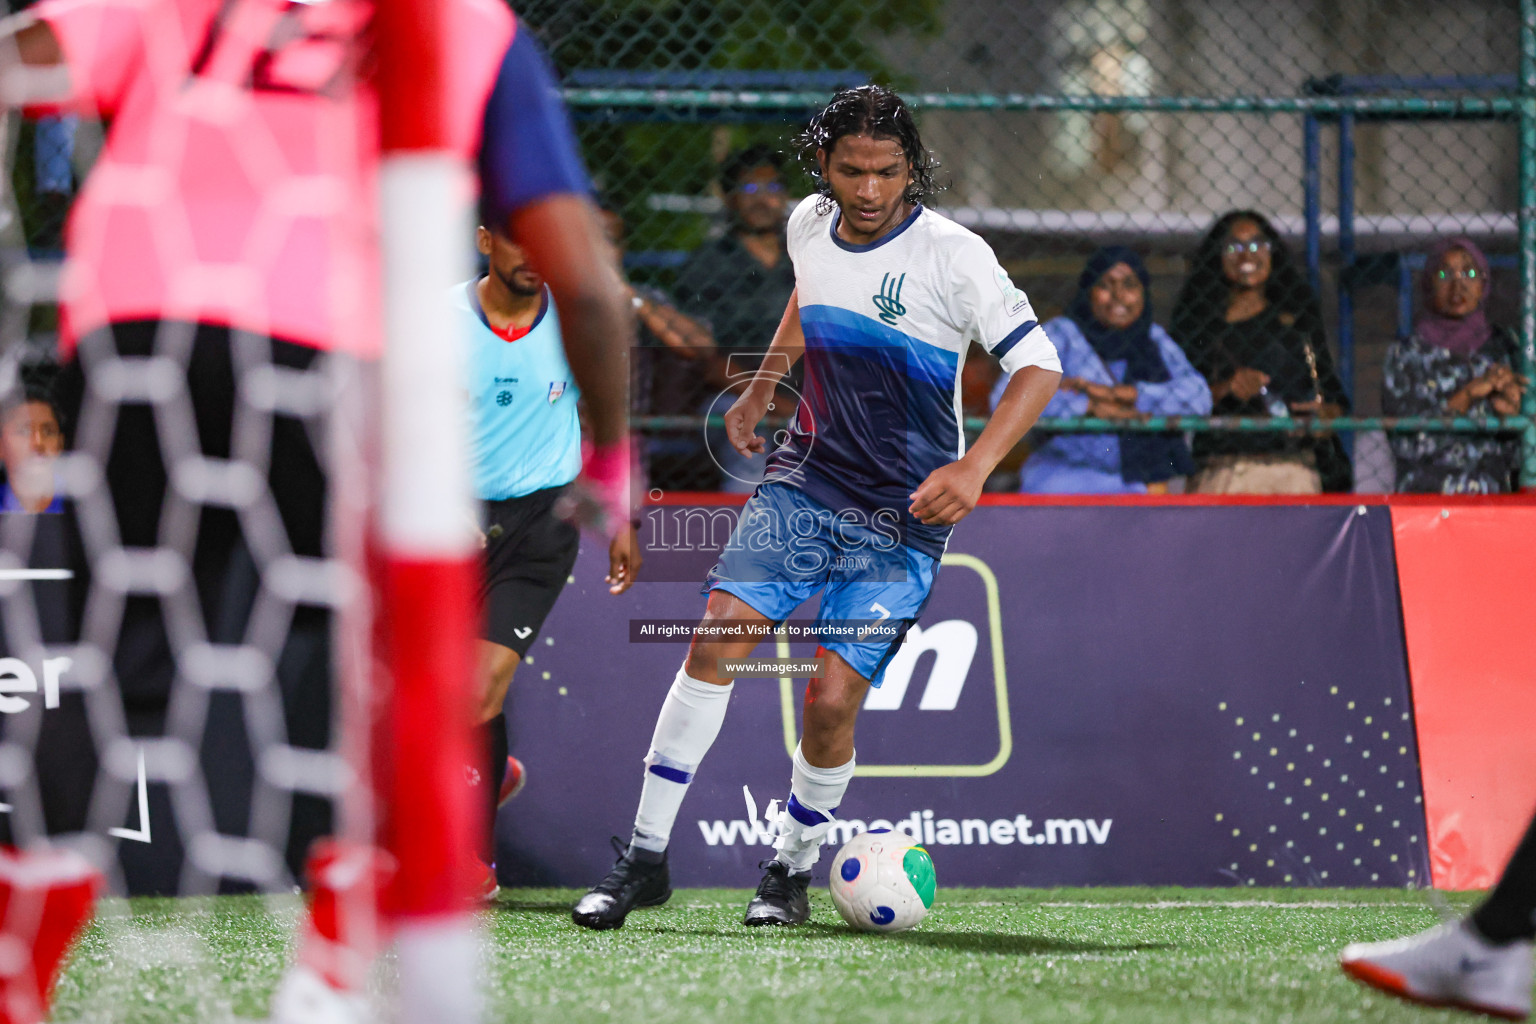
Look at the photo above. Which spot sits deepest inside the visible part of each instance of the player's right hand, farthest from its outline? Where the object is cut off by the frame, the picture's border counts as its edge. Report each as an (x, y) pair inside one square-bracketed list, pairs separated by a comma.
[(741, 421)]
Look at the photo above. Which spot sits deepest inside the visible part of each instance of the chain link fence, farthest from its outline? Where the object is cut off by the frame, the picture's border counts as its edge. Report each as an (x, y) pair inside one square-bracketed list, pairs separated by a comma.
[(1359, 135)]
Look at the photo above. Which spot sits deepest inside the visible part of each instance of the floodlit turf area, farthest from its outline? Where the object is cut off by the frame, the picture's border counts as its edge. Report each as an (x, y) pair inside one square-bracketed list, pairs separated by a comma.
[(1134, 955)]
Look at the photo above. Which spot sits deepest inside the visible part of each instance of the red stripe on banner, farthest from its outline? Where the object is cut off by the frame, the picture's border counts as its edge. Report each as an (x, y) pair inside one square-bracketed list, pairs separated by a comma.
[(1466, 577), (428, 623)]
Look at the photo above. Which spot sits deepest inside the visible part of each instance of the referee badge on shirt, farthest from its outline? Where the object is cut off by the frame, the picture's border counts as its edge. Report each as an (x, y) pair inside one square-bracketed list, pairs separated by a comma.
[(556, 389)]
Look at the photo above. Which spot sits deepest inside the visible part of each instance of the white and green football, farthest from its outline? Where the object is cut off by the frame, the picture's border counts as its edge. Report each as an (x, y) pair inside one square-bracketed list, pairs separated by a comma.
[(882, 882)]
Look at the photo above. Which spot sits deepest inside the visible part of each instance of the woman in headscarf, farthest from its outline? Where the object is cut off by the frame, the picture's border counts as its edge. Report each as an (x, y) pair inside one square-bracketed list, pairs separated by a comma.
[(1116, 364), (1454, 364), (1252, 325)]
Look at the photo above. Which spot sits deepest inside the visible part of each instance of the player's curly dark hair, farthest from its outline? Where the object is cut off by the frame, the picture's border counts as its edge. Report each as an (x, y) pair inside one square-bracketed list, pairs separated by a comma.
[(875, 111)]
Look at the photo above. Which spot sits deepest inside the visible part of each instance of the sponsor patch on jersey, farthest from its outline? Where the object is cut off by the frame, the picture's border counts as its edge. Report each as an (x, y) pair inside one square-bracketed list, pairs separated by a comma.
[(1014, 299), (556, 389)]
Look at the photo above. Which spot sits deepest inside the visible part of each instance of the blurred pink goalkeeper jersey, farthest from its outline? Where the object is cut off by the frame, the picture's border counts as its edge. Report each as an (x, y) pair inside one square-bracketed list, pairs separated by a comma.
[(238, 182)]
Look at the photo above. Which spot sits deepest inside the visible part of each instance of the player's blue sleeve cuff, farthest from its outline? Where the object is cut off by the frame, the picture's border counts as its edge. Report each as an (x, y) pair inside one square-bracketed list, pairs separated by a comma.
[(1014, 337), (1027, 345), (528, 150)]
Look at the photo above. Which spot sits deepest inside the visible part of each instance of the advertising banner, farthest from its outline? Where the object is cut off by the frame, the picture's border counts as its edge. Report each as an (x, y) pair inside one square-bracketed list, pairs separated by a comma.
[(1093, 696)]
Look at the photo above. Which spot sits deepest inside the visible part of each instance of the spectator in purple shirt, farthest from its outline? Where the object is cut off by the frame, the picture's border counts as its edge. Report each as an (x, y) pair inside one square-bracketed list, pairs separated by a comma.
[(1116, 364)]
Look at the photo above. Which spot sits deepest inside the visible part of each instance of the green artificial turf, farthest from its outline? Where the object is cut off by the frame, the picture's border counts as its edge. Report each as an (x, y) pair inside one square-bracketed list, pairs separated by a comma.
[(1136, 955)]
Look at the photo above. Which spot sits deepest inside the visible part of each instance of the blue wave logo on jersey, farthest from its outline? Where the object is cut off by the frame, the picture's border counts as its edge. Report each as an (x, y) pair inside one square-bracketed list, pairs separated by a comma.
[(556, 389), (888, 300)]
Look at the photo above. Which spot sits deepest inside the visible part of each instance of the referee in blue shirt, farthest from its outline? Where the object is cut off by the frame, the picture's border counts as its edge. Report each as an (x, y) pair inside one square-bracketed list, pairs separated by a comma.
[(525, 447)]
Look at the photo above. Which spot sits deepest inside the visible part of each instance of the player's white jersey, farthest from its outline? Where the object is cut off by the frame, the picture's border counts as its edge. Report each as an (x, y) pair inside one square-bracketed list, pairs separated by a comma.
[(887, 326)]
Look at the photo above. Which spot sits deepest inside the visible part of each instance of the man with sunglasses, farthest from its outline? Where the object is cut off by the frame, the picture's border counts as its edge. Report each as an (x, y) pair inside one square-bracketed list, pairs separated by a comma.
[(740, 284)]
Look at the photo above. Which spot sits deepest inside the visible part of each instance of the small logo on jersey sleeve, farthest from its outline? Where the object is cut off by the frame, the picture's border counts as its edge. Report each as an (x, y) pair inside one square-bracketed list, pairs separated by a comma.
[(888, 299), (503, 398), (556, 389), (1013, 299)]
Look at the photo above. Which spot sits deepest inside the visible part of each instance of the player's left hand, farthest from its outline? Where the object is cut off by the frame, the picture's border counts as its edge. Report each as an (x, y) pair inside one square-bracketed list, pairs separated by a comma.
[(623, 560), (948, 495)]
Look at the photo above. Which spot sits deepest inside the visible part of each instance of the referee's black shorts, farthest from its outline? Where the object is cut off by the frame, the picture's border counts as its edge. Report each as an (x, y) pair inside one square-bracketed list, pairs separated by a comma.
[(529, 554)]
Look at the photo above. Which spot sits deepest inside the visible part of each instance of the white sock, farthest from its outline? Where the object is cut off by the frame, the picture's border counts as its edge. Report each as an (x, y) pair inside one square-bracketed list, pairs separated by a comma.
[(814, 797), (690, 720)]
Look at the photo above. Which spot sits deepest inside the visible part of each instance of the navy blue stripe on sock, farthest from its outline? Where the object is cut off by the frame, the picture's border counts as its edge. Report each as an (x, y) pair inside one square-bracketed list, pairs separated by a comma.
[(803, 814), (672, 774)]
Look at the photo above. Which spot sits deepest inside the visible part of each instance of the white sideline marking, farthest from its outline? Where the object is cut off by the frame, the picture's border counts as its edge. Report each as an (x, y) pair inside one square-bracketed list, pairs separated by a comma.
[(140, 834), (36, 574), (1160, 905), (1219, 904)]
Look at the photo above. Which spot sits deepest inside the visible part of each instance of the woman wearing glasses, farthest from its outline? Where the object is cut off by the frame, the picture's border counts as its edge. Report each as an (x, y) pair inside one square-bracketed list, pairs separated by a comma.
[(1252, 325), (1454, 364)]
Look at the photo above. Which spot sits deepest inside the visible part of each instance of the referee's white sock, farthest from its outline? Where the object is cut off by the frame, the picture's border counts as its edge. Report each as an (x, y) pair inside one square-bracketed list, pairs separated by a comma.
[(814, 797), (690, 720)]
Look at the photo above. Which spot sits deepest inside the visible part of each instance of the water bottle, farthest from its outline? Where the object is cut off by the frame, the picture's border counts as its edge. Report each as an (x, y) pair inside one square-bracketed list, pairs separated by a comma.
[(1273, 403)]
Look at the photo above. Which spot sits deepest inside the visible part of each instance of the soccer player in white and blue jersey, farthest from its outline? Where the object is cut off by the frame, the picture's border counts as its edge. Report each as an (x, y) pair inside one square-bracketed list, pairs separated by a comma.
[(859, 501), (525, 450)]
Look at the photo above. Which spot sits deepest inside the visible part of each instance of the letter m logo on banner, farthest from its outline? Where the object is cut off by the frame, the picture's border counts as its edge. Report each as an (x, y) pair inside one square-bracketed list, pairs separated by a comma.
[(953, 644)]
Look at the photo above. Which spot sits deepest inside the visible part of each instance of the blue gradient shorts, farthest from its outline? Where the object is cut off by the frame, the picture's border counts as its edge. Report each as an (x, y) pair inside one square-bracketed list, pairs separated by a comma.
[(786, 547)]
